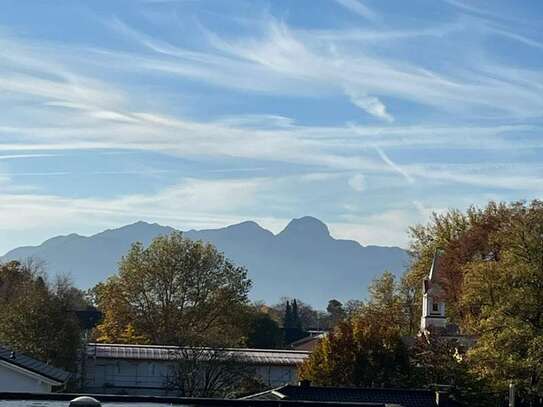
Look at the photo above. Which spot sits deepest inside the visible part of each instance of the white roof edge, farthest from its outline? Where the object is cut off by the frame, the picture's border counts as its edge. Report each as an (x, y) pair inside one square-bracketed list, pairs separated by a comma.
[(30, 373), (166, 347), (278, 394), (273, 391), (433, 267)]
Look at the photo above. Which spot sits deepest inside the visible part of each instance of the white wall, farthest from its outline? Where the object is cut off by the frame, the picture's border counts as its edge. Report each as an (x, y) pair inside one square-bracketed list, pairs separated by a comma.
[(12, 380), (150, 377)]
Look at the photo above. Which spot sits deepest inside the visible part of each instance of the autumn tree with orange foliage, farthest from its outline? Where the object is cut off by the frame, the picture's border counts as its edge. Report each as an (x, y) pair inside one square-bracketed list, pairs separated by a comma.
[(367, 349)]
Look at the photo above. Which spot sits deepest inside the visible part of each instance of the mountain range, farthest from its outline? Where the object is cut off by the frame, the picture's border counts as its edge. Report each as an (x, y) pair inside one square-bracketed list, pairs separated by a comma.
[(302, 261)]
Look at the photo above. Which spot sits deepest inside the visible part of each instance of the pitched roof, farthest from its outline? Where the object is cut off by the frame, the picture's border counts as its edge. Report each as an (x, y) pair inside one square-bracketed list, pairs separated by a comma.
[(159, 352), (437, 265), (311, 338), (33, 365), (403, 397)]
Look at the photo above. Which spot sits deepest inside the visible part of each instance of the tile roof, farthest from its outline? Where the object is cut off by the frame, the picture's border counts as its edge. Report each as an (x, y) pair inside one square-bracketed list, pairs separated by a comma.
[(156, 352), (403, 397), (33, 365)]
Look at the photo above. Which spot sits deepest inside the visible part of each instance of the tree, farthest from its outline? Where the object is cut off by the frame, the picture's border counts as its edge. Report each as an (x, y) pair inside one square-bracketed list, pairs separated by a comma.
[(336, 312), (38, 317), (461, 238), (263, 332), (176, 292), (207, 372), (309, 317), (367, 349), (292, 324), (492, 273), (288, 320), (441, 361), (296, 321), (504, 297)]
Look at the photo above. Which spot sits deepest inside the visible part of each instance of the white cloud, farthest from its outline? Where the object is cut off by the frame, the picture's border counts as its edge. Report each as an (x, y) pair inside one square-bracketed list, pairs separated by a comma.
[(394, 166), (281, 60), (357, 182), (388, 228), (66, 97), (359, 8), (371, 105), (193, 202)]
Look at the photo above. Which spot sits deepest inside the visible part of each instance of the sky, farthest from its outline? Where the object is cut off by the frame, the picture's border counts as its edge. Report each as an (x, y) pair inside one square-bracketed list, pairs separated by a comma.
[(368, 114)]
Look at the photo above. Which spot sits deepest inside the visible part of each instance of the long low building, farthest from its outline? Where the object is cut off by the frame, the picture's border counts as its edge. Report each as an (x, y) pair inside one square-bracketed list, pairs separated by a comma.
[(152, 369)]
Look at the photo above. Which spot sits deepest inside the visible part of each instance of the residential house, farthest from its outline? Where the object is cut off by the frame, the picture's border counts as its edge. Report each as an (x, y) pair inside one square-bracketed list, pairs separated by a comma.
[(21, 373)]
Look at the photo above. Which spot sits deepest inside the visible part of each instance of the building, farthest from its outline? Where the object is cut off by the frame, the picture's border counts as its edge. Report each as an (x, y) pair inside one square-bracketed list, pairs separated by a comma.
[(434, 319), (389, 397), (64, 399), (309, 342), (149, 369), (21, 373), (433, 303)]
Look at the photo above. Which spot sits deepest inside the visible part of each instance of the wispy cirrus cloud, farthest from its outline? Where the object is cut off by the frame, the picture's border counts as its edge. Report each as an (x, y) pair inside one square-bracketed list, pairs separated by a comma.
[(283, 56), (271, 108), (394, 166), (359, 8)]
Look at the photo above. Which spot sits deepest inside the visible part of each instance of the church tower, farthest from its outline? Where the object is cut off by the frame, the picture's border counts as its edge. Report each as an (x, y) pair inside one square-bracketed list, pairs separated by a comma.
[(433, 304)]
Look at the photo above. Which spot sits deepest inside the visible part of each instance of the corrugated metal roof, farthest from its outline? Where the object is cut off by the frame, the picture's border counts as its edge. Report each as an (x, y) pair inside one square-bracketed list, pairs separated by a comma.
[(155, 352), (33, 365)]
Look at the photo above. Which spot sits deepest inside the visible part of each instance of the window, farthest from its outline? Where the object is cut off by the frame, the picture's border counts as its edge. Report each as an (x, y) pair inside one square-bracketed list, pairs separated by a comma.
[(435, 307)]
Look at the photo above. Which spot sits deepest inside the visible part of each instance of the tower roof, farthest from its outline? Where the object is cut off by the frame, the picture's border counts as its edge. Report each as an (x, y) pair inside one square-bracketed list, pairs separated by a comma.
[(434, 269)]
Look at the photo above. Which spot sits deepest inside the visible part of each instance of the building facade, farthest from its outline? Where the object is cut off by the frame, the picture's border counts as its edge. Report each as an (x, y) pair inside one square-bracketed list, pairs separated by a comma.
[(21, 373), (433, 303), (151, 370)]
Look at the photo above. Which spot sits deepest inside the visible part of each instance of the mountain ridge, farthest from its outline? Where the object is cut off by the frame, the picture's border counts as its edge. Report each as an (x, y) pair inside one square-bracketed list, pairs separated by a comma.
[(303, 260)]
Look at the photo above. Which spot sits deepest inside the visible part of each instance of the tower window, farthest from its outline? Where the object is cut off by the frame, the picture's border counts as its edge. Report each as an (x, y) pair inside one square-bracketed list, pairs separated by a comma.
[(435, 307)]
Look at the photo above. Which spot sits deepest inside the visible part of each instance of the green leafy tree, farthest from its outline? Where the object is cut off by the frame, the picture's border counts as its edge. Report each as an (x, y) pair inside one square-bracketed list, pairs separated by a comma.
[(336, 312), (263, 332), (367, 349), (441, 361), (38, 317), (461, 238), (504, 295), (491, 269), (176, 291)]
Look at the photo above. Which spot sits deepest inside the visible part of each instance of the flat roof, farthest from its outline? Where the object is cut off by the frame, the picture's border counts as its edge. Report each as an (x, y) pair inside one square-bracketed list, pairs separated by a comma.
[(63, 400)]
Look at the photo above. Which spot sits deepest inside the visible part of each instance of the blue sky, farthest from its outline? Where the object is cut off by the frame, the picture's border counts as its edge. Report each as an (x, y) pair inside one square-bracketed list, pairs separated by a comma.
[(368, 114)]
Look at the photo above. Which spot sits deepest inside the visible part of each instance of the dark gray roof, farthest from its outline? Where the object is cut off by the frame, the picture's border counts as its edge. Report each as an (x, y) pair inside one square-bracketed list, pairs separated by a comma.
[(11, 399), (403, 397), (33, 365), (157, 352)]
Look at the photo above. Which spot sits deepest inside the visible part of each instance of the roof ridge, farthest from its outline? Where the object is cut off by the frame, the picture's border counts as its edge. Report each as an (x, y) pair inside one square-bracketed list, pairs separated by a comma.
[(361, 388), (165, 347)]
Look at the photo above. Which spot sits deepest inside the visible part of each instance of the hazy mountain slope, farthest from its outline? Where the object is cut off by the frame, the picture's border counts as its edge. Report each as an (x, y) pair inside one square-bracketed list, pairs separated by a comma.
[(302, 261), (89, 260)]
